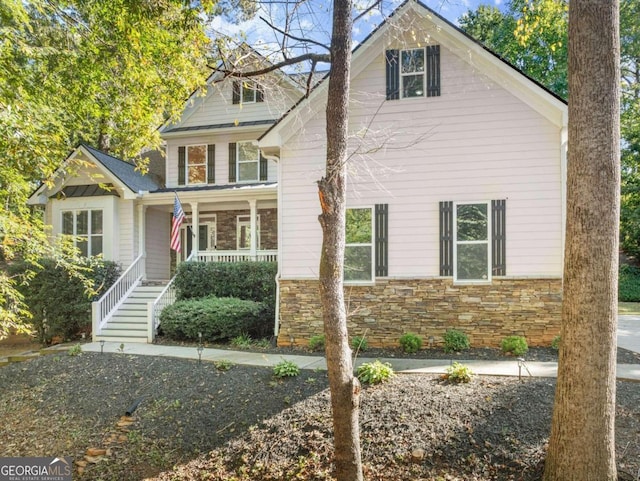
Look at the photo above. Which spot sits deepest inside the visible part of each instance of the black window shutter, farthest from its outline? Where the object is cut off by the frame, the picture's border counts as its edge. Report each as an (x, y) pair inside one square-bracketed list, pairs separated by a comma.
[(259, 93), (392, 58), (264, 168), (211, 163), (236, 91), (446, 238), (232, 162), (433, 71), (498, 237), (382, 240), (181, 165)]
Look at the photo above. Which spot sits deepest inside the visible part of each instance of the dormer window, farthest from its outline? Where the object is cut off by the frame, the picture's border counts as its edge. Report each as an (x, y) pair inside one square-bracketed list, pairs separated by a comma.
[(247, 92)]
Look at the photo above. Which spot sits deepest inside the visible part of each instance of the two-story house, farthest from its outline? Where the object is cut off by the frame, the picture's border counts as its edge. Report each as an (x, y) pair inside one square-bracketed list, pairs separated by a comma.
[(455, 197)]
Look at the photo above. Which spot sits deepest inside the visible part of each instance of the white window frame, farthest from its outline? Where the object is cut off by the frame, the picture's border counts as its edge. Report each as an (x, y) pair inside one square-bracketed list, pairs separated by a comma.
[(248, 86), (187, 164), (407, 74), (89, 235), (487, 242), (370, 244), (240, 162), (247, 223)]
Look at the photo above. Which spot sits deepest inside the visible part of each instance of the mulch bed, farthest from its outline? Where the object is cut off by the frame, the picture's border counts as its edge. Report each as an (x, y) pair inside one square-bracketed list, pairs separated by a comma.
[(246, 425)]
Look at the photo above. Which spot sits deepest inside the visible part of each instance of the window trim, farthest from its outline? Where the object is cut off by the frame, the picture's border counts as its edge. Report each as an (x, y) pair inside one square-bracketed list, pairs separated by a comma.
[(89, 235), (239, 223), (187, 164), (239, 162), (487, 242), (250, 86), (371, 244), (423, 74)]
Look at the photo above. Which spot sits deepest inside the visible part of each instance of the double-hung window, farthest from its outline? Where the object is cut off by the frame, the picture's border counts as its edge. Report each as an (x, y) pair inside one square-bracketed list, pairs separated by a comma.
[(472, 253), (412, 70), (86, 228), (197, 164), (359, 248), (248, 160), (247, 92)]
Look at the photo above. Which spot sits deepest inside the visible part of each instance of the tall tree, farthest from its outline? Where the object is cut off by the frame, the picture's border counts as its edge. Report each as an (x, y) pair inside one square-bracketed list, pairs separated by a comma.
[(582, 443), (345, 388)]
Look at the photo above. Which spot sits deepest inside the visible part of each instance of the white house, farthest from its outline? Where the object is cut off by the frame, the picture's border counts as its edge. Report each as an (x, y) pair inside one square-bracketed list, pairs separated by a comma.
[(456, 194)]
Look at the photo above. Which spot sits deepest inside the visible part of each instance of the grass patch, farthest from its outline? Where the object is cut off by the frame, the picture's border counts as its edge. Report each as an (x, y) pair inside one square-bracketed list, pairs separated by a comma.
[(629, 308)]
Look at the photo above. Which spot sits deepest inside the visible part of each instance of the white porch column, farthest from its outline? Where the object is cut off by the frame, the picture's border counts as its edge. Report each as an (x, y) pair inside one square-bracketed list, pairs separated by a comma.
[(253, 247), (195, 229), (142, 250)]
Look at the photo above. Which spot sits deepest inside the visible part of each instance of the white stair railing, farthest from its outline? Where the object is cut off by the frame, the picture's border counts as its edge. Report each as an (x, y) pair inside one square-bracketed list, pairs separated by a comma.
[(105, 307), (164, 299), (237, 256)]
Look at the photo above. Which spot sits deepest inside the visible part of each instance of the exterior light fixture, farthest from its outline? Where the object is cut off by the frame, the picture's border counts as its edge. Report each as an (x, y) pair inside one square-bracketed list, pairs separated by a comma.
[(102, 346)]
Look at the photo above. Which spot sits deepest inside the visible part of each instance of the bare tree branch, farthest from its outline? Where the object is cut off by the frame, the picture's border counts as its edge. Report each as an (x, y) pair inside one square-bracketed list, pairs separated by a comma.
[(293, 37), (312, 57), (367, 10)]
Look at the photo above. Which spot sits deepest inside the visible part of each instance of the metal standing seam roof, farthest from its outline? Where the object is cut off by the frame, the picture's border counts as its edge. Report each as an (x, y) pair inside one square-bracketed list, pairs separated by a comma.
[(124, 171), (227, 125), (228, 187)]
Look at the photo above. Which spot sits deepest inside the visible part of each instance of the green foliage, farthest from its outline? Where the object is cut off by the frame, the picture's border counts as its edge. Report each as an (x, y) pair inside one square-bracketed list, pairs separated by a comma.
[(458, 373), (359, 343), (516, 345), (75, 350), (223, 364), (286, 369), (629, 283), (218, 319), (455, 341), (243, 340), (375, 372), (60, 301), (555, 343), (410, 342), (317, 342)]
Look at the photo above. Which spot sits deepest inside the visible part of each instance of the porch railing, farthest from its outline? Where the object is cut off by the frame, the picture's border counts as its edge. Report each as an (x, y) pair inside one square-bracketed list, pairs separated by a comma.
[(104, 308), (237, 256)]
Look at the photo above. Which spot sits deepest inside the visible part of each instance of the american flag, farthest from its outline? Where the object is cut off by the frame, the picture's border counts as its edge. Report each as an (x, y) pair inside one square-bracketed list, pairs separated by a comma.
[(178, 217)]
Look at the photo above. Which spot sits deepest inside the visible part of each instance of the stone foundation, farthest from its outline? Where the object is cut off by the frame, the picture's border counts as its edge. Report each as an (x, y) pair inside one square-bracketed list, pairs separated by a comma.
[(428, 307)]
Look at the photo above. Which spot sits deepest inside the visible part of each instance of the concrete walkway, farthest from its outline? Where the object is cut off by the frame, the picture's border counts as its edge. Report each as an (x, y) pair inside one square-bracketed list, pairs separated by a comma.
[(510, 367), (629, 332)]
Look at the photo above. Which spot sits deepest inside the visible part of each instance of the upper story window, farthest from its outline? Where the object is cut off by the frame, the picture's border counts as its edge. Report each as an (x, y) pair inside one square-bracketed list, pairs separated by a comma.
[(196, 164), (86, 227), (359, 248), (413, 72), (247, 92), (248, 161)]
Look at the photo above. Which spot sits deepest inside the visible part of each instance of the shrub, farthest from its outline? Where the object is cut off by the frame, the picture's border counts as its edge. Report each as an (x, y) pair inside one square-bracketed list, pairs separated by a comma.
[(243, 340), (455, 341), (75, 350), (317, 342), (223, 364), (59, 301), (410, 342), (458, 373), (629, 283), (375, 372), (359, 343), (286, 369), (556, 342), (218, 319), (516, 345)]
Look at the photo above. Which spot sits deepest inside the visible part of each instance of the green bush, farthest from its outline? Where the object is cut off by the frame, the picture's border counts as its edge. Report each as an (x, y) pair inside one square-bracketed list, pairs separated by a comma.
[(555, 343), (458, 373), (286, 369), (59, 301), (359, 343), (455, 341), (375, 372), (317, 342), (629, 283), (217, 318), (410, 342), (252, 281), (516, 345)]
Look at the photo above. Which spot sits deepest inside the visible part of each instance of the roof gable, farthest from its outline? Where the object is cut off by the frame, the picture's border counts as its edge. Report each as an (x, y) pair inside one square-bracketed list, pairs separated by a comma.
[(440, 31)]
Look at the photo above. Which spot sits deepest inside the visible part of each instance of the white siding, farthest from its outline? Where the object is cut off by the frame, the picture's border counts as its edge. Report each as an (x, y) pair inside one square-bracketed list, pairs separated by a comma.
[(221, 142), (475, 142), (157, 233), (128, 230)]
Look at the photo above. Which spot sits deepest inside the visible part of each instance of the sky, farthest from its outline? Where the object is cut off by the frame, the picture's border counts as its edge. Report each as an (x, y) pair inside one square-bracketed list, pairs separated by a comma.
[(313, 20)]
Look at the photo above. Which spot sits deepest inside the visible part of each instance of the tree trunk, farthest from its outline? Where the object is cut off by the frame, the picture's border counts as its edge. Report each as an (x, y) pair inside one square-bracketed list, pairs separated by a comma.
[(345, 388), (582, 443)]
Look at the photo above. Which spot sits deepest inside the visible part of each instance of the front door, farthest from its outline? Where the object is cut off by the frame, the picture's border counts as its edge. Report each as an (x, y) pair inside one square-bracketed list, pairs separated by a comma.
[(207, 237)]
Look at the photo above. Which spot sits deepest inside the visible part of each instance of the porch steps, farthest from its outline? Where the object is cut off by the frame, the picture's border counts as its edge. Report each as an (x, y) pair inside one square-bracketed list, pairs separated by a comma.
[(129, 323)]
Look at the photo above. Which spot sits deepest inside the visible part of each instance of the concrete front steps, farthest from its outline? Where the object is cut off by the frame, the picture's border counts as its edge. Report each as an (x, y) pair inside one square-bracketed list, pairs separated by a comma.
[(130, 321)]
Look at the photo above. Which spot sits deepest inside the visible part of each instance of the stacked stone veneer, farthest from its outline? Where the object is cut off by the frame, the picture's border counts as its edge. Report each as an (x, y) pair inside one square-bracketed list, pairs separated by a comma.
[(428, 307), (227, 225)]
